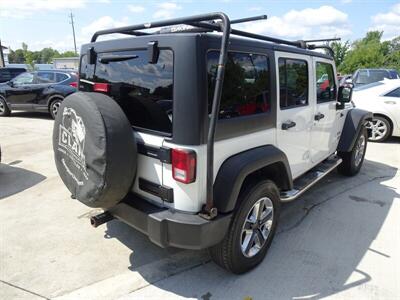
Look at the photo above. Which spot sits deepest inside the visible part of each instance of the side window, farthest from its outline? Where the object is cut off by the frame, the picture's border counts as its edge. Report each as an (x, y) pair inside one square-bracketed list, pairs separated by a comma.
[(61, 77), (394, 93), (293, 82), (326, 86), (45, 77), (246, 89)]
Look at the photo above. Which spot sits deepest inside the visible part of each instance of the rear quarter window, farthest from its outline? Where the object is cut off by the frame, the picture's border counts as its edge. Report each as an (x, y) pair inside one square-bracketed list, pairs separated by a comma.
[(143, 90), (246, 88)]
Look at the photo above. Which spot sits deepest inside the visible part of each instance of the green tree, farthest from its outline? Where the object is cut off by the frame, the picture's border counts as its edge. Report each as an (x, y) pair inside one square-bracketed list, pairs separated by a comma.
[(340, 50), (16, 57), (47, 55), (68, 54), (28, 55), (368, 52), (392, 59)]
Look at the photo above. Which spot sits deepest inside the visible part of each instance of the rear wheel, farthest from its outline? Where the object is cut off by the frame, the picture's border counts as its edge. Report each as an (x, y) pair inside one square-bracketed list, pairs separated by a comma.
[(353, 160), (252, 229), (380, 129), (4, 110), (55, 107)]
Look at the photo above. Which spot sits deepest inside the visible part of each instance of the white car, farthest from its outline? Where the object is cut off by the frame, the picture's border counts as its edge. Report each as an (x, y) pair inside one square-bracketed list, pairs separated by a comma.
[(383, 100)]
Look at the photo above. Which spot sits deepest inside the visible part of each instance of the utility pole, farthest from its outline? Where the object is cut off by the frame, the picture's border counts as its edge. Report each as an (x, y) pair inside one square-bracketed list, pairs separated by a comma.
[(73, 29)]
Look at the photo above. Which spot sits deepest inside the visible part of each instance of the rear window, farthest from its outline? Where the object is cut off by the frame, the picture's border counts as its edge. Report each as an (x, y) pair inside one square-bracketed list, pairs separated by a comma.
[(143, 90)]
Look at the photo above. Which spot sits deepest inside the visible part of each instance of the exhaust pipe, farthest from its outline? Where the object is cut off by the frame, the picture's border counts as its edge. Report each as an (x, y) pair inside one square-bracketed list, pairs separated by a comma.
[(100, 219)]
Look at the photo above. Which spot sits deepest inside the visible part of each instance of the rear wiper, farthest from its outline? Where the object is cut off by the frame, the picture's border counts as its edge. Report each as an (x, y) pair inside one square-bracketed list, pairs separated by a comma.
[(111, 58)]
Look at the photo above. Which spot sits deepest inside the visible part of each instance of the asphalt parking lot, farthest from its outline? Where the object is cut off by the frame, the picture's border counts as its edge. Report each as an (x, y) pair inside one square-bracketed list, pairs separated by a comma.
[(341, 240)]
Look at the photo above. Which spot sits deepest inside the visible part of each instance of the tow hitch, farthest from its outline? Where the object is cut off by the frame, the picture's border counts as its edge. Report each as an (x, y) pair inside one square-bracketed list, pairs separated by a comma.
[(100, 219)]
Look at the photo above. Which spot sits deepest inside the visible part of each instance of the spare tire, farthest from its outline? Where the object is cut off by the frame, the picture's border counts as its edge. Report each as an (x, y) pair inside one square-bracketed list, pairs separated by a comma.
[(94, 149)]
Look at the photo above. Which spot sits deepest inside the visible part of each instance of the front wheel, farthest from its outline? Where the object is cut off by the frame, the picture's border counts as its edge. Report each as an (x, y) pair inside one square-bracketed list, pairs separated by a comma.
[(4, 109), (252, 229), (353, 160), (55, 107)]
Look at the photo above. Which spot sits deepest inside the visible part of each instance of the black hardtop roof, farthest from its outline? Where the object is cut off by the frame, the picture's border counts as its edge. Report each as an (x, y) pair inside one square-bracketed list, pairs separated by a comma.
[(115, 44)]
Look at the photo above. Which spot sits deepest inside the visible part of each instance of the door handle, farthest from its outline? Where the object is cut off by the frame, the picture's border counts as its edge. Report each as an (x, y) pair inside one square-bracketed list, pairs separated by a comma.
[(390, 102), (319, 116), (288, 124)]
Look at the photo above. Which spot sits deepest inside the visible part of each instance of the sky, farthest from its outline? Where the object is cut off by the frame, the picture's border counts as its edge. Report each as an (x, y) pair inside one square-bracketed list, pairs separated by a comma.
[(46, 23)]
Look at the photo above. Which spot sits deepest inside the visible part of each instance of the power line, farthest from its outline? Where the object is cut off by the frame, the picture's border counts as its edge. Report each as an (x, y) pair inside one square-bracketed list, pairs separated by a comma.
[(73, 30)]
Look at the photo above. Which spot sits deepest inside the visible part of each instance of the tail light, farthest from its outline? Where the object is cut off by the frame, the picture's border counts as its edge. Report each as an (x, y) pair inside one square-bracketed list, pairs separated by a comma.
[(184, 165), (74, 84), (101, 87)]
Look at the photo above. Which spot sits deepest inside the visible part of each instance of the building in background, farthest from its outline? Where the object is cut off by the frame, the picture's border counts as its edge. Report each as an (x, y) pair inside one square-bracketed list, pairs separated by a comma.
[(70, 63)]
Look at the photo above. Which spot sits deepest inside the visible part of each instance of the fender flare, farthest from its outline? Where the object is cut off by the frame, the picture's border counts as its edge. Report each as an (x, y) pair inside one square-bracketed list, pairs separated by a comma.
[(355, 120), (237, 168)]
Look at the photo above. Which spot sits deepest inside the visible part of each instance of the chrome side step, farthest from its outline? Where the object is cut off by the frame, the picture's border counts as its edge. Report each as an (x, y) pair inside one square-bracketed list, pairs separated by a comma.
[(304, 182)]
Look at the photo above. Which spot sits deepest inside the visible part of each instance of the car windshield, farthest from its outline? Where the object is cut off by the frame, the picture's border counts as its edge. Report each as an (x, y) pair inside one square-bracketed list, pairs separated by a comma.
[(369, 76)]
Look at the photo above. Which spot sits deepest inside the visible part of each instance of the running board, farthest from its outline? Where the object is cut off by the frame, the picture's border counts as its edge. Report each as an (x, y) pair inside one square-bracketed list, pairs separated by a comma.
[(304, 182)]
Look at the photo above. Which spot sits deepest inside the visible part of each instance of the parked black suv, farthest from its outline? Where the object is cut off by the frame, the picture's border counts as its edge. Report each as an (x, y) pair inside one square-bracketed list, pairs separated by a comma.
[(7, 73), (37, 91)]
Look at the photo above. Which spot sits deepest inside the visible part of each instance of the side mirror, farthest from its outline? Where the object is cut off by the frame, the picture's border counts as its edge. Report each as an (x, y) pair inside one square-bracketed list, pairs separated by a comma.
[(345, 93), (10, 83)]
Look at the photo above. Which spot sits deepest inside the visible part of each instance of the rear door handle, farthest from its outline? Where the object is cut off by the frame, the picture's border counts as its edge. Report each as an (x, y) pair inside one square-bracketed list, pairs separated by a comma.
[(319, 116), (288, 124)]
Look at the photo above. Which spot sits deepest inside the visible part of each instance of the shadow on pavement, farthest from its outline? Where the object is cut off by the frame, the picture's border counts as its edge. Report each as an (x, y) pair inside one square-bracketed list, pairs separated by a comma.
[(144, 251), (14, 180), (393, 140), (320, 242)]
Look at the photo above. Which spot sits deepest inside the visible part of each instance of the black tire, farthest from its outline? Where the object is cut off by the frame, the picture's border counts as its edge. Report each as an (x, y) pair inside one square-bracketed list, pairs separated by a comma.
[(352, 162), (94, 149), (55, 107), (379, 125), (4, 109), (228, 253)]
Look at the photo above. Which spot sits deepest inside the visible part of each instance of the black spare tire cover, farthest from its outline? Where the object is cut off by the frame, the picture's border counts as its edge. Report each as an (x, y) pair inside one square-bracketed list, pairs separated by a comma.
[(94, 149)]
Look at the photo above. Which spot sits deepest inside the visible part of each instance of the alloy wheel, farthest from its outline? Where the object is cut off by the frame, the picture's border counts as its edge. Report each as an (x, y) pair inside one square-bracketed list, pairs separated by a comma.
[(2, 107), (378, 129), (257, 227), (359, 150), (55, 108)]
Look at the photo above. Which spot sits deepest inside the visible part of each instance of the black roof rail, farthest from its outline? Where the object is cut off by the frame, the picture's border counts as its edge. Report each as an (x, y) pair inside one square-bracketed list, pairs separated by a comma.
[(205, 22), (325, 46)]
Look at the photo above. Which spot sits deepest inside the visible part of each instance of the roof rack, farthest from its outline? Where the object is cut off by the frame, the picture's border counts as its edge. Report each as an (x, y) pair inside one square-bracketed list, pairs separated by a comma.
[(208, 23)]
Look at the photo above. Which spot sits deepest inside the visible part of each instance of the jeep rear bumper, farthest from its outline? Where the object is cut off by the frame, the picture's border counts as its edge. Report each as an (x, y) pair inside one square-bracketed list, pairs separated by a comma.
[(166, 228)]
